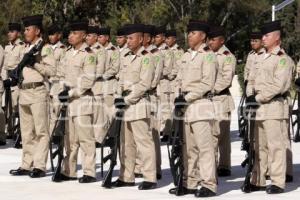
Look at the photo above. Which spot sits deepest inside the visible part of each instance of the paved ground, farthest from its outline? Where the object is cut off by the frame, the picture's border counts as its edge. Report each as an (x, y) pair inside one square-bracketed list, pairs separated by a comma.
[(25, 188)]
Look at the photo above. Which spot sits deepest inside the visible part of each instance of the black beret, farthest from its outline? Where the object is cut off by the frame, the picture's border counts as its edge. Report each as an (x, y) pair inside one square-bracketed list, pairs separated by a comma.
[(78, 26), (216, 31), (171, 32), (53, 29), (121, 31), (195, 25), (14, 26), (104, 31), (35, 20), (150, 29), (160, 30), (256, 35), (134, 28), (271, 27), (93, 29)]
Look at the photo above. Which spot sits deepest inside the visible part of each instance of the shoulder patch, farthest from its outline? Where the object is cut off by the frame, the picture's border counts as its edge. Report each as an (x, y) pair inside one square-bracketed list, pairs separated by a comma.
[(46, 51), (113, 48), (179, 48), (21, 43), (98, 47), (280, 53), (146, 62), (166, 48), (144, 52), (89, 50), (154, 50), (282, 63), (206, 48), (226, 53), (91, 60), (210, 58), (62, 46)]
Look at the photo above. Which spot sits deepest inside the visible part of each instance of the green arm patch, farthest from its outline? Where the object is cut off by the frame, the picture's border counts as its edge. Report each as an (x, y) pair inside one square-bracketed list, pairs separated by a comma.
[(47, 51), (114, 56), (282, 63), (91, 60), (157, 59), (228, 60), (209, 58), (146, 62)]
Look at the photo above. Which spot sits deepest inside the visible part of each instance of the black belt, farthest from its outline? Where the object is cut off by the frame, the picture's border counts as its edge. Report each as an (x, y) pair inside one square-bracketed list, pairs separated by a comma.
[(151, 91), (207, 95), (126, 93), (284, 95), (224, 92), (107, 79), (164, 77), (26, 86)]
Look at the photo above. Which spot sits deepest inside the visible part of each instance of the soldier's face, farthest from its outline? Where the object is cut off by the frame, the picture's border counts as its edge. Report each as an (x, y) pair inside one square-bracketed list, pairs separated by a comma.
[(271, 39), (134, 41), (76, 37), (103, 39), (195, 38), (170, 41), (54, 38), (91, 39), (121, 40), (216, 43), (12, 35), (31, 33), (159, 39), (147, 39), (256, 44)]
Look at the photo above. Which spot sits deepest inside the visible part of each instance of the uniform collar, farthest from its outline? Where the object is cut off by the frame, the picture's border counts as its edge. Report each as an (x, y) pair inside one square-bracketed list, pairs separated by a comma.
[(174, 47), (82, 49), (108, 46), (222, 50), (150, 47), (123, 48), (162, 46), (276, 50), (57, 45), (94, 46), (18, 40)]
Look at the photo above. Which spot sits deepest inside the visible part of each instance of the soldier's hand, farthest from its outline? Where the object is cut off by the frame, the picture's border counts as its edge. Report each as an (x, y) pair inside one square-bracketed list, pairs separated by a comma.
[(180, 102), (31, 61), (7, 83), (63, 96), (119, 103), (297, 82)]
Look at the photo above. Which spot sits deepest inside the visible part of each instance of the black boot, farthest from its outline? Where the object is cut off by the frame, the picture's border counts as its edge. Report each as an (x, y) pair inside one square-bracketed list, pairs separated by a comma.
[(164, 139), (19, 172), (145, 185), (37, 173), (184, 192), (63, 177), (222, 172), (273, 189), (204, 192), (119, 183), (289, 178), (138, 175), (2, 143), (87, 179)]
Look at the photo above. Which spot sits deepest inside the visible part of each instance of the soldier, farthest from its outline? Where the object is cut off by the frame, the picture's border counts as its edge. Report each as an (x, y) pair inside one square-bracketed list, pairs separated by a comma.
[(13, 55), (2, 117), (135, 80), (154, 120), (33, 104), (98, 115), (165, 92), (269, 89), (122, 42), (222, 99), (59, 49), (79, 66), (257, 49), (196, 78), (110, 74)]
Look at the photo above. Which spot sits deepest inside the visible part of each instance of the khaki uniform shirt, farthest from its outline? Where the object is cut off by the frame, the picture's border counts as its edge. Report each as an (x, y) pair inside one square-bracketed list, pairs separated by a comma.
[(196, 78), (112, 67), (252, 61), (79, 74), (168, 63), (42, 69), (226, 70), (158, 65), (273, 77), (1, 64), (136, 76)]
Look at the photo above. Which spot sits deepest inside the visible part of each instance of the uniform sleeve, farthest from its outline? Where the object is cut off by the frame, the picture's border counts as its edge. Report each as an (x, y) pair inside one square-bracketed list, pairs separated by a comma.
[(224, 79), (158, 63), (168, 61), (247, 67), (87, 78), (114, 64), (298, 68), (146, 76), (1, 62), (101, 58), (47, 64), (208, 77), (278, 83), (177, 56)]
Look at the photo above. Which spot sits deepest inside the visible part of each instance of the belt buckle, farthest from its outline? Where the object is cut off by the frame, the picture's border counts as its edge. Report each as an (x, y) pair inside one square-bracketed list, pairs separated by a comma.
[(210, 95)]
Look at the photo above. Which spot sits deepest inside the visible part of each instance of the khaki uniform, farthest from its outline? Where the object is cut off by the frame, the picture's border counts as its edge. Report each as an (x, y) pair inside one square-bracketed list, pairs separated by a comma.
[(111, 70), (33, 107), (79, 74), (196, 78), (224, 104), (13, 56), (251, 61), (135, 78), (100, 119), (2, 117), (59, 50), (165, 92), (273, 79), (154, 119)]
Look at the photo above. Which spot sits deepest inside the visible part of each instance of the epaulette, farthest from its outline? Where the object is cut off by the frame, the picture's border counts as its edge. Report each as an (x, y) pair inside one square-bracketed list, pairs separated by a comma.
[(62, 46), (98, 47), (179, 48), (69, 47), (21, 43), (113, 48), (280, 53), (260, 53), (144, 52), (206, 48), (127, 54), (226, 53), (154, 50), (166, 48), (88, 49)]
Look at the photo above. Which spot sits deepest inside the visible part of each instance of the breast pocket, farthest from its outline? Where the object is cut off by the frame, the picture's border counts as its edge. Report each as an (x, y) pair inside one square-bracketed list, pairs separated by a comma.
[(192, 72)]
